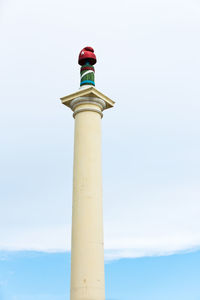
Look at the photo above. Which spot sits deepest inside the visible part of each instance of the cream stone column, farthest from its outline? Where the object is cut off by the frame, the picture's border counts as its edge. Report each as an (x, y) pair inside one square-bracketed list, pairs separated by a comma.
[(87, 260), (87, 250)]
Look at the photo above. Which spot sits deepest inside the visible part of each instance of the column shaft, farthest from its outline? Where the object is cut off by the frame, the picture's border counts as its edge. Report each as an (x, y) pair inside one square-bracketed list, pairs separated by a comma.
[(87, 253)]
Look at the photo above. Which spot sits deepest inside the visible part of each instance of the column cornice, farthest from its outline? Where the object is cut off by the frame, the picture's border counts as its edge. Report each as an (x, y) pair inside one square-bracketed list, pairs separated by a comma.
[(89, 92)]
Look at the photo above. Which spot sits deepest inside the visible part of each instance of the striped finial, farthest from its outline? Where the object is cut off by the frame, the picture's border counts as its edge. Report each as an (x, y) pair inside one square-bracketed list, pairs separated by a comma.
[(87, 59)]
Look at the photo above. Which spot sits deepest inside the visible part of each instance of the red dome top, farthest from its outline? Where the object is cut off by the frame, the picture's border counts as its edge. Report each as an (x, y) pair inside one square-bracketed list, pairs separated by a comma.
[(87, 55)]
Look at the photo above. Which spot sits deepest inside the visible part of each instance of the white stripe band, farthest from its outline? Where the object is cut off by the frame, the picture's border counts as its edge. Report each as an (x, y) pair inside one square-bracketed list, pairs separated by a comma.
[(87, 72)]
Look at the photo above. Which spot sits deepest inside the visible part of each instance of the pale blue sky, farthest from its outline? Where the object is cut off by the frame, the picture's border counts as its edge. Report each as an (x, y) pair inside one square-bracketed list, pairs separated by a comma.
[(148, 62), (45, 276)]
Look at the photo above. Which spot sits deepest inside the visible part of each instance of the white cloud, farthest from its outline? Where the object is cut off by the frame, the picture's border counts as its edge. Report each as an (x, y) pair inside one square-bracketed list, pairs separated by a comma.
[(148, 61)]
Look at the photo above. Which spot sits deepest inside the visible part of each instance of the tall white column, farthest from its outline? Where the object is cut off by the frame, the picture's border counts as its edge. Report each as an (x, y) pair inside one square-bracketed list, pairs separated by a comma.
[(87, 252)]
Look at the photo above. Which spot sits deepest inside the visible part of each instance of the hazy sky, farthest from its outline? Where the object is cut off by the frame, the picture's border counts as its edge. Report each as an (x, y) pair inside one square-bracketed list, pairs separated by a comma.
[(148, 62)]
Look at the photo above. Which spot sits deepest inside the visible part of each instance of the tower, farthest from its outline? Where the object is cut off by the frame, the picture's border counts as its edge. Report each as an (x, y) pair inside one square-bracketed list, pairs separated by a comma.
[(87, 251)]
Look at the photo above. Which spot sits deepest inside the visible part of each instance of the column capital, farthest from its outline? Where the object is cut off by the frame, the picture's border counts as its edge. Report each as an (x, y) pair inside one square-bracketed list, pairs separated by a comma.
[(81, 104), (90, 94)]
